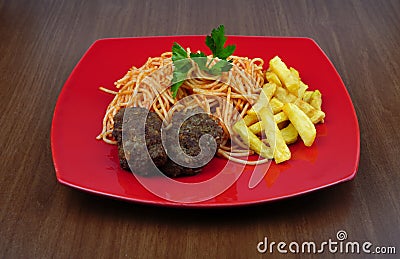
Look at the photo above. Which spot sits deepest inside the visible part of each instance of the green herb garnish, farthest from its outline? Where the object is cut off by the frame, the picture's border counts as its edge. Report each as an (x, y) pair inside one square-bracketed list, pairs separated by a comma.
[(215, 42), (181, 67)]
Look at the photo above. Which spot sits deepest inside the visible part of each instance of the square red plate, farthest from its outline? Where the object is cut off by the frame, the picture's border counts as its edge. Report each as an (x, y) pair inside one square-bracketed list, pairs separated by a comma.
[(85, 163)]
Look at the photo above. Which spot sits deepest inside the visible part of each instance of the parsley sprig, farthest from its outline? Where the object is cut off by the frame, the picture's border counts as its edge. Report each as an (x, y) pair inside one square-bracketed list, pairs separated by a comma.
[(215, 42)]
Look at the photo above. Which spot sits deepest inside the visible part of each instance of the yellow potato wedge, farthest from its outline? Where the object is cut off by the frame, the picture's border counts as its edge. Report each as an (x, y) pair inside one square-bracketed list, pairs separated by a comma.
[(266, 94), (301, 122), (295, 73), (289, 134), (302, 89), (256, 128), (272, 78), (280, 117), (307, 96), (252, 140), (302, 86), (274, 137), (291, 82), (315, 115), (284, 96), (250, 119), (316, 100), (276, 105)]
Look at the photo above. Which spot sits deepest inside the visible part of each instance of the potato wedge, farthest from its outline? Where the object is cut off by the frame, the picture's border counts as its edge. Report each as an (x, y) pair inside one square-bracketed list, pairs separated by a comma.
[(302, 86), (316, 100), (315, 115), (291, 82), (256, 128), (276, 105), (250, 119), (266, 94), (280, 117), (284, 96), (302, 89), (289, 134), (272, 78), (274, 137), (301, 122), (295, 73), (307, 96), (252, 140)]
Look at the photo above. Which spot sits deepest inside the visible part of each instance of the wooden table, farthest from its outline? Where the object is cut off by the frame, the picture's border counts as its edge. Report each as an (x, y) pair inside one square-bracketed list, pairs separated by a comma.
[(42, 41)]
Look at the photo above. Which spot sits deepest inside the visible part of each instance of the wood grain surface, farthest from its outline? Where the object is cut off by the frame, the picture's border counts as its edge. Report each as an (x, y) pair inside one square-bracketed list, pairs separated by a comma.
[(42, 41)]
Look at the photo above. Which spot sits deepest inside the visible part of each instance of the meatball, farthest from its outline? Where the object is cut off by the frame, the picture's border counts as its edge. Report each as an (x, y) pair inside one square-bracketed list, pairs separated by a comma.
[(191, 126), (133, 149)]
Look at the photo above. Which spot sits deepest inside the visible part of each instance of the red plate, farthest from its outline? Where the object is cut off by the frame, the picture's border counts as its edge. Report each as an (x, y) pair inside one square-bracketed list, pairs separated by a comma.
[(85, 163)]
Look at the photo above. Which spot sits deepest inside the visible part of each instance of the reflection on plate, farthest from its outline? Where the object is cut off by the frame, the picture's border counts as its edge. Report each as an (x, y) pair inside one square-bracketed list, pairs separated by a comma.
[(85, 163)]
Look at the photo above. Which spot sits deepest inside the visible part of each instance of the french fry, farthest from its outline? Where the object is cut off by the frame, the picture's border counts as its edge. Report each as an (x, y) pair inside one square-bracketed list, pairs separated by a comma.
[(295, 73), (256, 128), (266, 94), (315, 115), (284, 96), (291, 82), (273, 78), (281, 150), (276, 105), (289, 134), (316, 100), (269, 90), (252, 140), (250, 119), (302, 86), (280, 117), (307, 96), (302, 89), (301, 122)]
